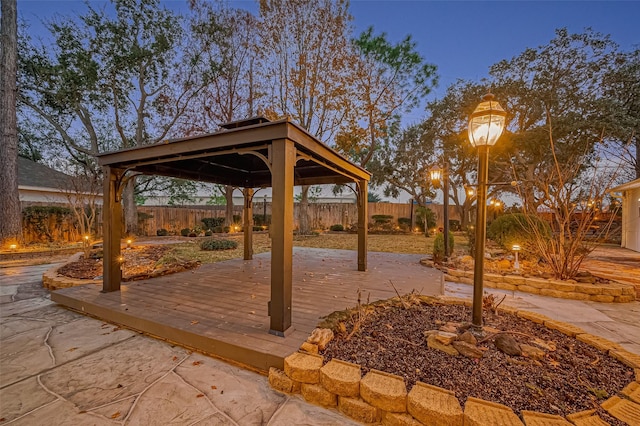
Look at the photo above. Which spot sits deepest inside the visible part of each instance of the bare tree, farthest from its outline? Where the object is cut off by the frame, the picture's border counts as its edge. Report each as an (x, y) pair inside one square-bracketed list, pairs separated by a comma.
[(10, 215)]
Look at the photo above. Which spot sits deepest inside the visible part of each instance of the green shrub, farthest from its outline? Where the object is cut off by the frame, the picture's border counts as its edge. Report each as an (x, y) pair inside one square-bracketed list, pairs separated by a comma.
[(218, 244), (212, 222), (162, 232), (425, 214), (208, 233), (336, 227), (185, 232), (518, 228), (405, 223), (259, 219), (438, 247), (380, 219)]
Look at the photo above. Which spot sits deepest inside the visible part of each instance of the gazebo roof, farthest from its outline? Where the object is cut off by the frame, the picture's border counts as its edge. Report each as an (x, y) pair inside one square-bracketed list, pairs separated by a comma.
[(239, 155)]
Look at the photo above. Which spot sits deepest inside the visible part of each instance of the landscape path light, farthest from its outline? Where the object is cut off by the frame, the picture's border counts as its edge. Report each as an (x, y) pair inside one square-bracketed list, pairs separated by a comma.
[(441, 175), (486, 124), (516, 249)]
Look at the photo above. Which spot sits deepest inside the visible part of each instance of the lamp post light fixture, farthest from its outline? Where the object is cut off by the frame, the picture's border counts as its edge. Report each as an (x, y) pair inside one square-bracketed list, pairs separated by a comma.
[(129, 241), (439, 175), (516, 249), (486, 124)]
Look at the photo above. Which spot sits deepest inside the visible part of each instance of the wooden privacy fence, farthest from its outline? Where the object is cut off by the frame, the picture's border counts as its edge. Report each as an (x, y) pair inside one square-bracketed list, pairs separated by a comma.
[(322, 215)]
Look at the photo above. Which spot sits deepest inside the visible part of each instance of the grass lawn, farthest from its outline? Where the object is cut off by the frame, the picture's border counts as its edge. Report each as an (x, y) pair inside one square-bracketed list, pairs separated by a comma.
[(399, 243)]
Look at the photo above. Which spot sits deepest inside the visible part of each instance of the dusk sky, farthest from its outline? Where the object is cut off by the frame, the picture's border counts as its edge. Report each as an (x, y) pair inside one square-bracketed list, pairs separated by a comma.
[(462, 38)]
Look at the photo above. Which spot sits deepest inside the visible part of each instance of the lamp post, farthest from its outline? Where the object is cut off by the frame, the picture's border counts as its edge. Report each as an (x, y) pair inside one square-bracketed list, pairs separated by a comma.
[(442, 175), (486, 124)]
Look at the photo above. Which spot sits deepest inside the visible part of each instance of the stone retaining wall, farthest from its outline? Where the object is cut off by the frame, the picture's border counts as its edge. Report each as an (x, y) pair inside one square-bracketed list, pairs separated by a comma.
[(53, 281), (570, 289), (382, 398)]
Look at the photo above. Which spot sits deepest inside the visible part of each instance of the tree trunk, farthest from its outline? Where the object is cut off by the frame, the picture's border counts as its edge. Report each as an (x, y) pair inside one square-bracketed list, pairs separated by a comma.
[(130, 208), (10, 213), (228, 212), (304, 225)]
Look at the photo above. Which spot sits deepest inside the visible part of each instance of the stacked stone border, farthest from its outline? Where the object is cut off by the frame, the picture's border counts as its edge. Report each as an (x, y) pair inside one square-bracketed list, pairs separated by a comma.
[(53, 281), (614, 292), (382, 398)]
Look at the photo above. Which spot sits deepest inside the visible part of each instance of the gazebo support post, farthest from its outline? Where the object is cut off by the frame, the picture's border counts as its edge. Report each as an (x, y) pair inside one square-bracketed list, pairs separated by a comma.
[(248, 223), (363, 204), (283, 159), (112, 230)]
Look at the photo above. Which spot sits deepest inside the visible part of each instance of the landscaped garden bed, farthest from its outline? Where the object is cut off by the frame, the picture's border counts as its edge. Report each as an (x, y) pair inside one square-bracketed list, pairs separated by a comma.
[(424, 347)]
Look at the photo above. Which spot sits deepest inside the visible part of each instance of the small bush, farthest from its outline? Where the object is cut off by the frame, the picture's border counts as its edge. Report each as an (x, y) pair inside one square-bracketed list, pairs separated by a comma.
[(162, 232), (218, 244), (212, 222), (336, 227), (517, 228), (185, 232), (438, 247), (380, 219), (218, 229), (208, 233)]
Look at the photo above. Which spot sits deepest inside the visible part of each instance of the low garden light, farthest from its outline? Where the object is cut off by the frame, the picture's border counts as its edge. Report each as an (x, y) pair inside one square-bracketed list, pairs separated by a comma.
[(486, 124), (13, 247), (516, 249), (129, 242)]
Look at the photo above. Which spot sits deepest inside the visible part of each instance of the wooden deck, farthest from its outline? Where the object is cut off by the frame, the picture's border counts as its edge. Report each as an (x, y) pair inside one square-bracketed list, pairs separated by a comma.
[(221, 308)]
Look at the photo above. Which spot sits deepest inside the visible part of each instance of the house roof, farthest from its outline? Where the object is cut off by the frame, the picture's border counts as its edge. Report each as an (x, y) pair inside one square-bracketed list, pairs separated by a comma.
[(38, 175), (634, 184)]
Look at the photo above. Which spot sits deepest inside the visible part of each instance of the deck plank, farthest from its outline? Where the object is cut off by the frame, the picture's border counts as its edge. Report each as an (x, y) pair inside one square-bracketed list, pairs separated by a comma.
[(221, 308)]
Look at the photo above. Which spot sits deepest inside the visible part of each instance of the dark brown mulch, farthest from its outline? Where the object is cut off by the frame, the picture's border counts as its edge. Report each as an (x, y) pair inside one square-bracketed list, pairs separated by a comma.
[(140, 262), (572, 378)]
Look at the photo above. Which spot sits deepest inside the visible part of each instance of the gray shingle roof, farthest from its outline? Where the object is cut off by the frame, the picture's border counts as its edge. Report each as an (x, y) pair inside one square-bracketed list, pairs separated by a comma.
[(31, 173)]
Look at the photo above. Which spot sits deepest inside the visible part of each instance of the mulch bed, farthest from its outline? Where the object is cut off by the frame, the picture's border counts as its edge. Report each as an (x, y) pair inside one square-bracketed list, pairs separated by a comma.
[(140, 262), (571, 378)]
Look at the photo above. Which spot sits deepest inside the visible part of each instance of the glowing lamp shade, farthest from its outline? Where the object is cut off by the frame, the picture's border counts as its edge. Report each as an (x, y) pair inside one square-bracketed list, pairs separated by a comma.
[(436, 174), (486, 122)]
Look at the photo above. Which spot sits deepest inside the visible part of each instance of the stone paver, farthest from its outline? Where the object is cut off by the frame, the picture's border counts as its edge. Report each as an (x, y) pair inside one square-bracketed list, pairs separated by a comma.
[(61, 368)]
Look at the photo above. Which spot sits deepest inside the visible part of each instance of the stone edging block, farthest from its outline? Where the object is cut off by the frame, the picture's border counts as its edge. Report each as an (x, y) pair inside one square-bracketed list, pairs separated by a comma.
[(586, 418), (622, 409), (385, 391), (478, 412), (627, 358), (632, 390), (341, 378), (434, 406), (358, 410), (303, 367), (598, 342)]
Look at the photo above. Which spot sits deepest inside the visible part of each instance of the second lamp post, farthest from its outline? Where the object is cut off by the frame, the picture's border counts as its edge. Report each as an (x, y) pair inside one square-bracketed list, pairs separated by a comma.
[(486, 124), (442, 175)]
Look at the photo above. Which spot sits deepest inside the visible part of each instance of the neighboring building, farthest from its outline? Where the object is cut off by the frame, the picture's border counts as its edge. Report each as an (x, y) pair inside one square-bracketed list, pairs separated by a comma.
[(39, 184), (630, 214)]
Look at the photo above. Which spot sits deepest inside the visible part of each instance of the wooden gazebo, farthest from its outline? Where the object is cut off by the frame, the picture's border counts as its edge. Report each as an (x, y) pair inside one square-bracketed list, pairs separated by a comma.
[(248, 154)]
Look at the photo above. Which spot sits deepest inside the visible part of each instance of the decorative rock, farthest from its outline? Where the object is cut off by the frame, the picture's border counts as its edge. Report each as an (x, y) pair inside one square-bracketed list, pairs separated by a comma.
[(549, 346), (309, 347), (467, 349), (478, 412), (428, 333), (358, 410), (468, 337), (508, 345), (303, 368), (399, 419), (341, 378), (532, 352), (433, 343), (318, 395), (533, 418), (504, 264), (445, 337), (622, 409), (385, 391), (434, 406), (466, 259), (320, 337), (450, 327)]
